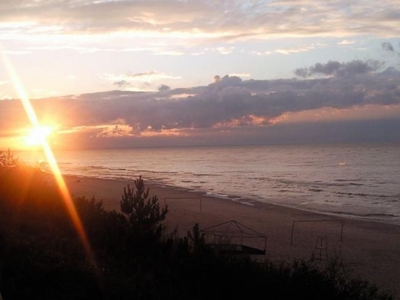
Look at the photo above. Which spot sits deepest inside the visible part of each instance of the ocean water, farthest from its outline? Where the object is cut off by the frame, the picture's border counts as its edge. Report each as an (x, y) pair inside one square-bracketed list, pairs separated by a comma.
[(360, 181)]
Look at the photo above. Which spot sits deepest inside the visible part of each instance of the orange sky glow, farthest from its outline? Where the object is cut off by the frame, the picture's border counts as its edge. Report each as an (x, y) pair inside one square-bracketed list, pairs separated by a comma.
[(38, 136)]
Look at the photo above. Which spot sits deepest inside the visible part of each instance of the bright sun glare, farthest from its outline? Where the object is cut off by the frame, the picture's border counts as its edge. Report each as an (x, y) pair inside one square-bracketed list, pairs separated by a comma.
[(38, 135)]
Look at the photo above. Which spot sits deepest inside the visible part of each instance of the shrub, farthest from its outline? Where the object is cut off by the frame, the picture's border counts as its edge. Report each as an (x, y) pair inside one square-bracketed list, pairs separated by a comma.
[(7, 159)]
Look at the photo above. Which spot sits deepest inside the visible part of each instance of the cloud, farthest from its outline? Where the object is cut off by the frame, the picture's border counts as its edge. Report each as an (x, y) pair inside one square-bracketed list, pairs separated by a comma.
[(144, 76), (118, 130), (225, 50), (239, 75), (145, 81), (335, 68), (292, 50), (230, 100), (346, 42), (387, 46), (296, 50), (217, 78), (163, 88), (229, 104), (200, 19)]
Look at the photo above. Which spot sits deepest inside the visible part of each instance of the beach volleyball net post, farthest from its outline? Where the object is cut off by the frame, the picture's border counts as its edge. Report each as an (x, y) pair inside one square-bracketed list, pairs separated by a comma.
[(298, 222), (315, 234)]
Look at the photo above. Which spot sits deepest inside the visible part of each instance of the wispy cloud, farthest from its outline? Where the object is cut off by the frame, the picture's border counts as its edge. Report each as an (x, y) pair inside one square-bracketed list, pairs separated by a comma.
[(145, 81), (346, 42), (296, 50), (225, 50), (291, 50), (206, 19)]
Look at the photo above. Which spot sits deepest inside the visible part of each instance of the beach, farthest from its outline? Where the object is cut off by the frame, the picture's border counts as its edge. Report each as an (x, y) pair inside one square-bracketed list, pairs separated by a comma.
[(353, 180), (371, 250)]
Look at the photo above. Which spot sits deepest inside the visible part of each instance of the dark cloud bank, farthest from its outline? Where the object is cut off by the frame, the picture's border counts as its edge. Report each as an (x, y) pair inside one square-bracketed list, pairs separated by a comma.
[(230, 110)]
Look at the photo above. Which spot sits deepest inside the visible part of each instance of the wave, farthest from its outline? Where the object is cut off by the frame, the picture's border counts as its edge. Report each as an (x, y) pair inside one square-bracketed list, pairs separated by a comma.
[(315, 190), (362, 195), (354, 182), (314, 183), (94, 168), (365, 215)]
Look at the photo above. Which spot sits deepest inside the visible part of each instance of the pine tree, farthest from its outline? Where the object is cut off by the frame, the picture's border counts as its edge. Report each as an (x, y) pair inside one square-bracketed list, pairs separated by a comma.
[(143, 213)]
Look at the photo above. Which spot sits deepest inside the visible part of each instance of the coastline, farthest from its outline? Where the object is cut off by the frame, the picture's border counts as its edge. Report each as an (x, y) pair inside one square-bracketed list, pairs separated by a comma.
[(370, 249)]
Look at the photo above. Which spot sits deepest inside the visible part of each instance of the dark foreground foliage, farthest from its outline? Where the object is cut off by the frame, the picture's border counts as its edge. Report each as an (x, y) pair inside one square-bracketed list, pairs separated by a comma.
[(41, 256)]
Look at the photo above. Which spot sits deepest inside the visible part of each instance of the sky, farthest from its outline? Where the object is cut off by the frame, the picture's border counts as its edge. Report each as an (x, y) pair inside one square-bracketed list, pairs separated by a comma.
[(154, 73)]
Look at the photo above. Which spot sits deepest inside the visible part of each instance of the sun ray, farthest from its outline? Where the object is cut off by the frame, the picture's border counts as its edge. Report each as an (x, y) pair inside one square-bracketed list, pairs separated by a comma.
[(62, 186)]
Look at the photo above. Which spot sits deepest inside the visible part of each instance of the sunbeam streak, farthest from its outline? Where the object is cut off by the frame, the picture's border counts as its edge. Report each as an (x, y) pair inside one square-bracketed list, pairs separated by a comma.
[(63, 189)]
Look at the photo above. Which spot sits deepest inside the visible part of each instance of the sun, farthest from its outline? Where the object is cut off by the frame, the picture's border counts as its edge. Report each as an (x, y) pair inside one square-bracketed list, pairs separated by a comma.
[(38, 135)]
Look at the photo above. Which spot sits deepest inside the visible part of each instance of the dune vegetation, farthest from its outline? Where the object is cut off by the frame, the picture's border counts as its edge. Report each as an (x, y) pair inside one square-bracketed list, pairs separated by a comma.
[(132, 254)]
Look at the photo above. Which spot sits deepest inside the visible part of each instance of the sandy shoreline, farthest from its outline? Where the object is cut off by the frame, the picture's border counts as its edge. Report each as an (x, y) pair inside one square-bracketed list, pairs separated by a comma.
[(371, 249)]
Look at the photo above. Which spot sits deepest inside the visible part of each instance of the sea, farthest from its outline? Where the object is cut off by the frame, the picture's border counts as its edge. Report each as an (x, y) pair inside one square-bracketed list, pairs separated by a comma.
[(352, 180)]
